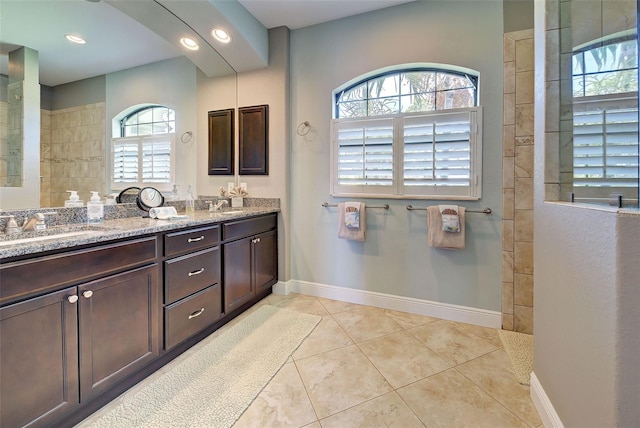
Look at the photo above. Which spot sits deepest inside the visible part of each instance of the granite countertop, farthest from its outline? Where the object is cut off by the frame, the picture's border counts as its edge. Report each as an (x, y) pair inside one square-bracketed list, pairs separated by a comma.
[(72, 235)]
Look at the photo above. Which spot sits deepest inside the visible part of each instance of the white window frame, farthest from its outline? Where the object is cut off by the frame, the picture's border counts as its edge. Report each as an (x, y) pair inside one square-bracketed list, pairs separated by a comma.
[(140, 140), (398, 190)]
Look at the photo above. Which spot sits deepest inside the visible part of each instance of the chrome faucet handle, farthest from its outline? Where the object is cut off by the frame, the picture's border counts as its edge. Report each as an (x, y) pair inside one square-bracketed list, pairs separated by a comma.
[(11, 226), (211, 208)]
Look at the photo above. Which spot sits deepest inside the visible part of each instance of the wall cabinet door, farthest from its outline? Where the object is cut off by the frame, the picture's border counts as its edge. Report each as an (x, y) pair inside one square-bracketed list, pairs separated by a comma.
[(118, 327), (39, 359), (265, 260), (238, 288), (253, 141)]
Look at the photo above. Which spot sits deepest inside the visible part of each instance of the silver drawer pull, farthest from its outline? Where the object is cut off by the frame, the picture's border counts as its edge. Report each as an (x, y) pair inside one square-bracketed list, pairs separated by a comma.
[(87, 294), (196, 272), (72, 299), (196, 239), (256, 240), (196, 313)]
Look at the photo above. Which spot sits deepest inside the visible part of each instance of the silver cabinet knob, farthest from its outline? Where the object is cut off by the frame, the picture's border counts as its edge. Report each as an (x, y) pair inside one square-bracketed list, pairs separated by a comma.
[(72, 299), (87, 293)]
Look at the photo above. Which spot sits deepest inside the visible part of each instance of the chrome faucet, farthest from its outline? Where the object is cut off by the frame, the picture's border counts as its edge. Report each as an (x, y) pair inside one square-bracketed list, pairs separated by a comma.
[(36, 222), (217, 206)]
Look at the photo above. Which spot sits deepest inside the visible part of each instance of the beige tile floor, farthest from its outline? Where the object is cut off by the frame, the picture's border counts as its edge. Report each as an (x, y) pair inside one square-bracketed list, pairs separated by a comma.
[(368, 367)]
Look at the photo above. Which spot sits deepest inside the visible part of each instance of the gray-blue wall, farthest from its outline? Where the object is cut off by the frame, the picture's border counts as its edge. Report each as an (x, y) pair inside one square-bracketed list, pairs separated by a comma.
[(395, 259)]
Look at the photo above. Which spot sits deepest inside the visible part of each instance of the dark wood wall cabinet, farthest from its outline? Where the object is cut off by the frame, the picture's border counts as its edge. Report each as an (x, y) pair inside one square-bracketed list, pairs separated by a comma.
[(79, 327), (253, 123), (221, 142)]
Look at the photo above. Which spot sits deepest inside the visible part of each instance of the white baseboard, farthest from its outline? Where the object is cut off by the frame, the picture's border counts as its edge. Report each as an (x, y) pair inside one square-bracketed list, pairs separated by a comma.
[(547, 412), (481, 317)]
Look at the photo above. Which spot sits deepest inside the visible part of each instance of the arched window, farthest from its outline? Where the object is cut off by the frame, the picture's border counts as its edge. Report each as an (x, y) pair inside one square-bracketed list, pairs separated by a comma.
[(408, 91), (410, 132), (605, 118), (142, 147)]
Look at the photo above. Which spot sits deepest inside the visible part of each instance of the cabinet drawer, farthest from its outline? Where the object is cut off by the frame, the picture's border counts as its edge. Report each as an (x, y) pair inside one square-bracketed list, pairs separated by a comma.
[(189, 240), (248, 227), (189, 316), (19, 279), (188, 274)]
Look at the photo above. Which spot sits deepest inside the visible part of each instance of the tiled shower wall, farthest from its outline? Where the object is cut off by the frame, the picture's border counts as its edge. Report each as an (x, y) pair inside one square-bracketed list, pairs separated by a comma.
[(75, 158), (517, 183), (11, 139), (45, 158), (4, 146)]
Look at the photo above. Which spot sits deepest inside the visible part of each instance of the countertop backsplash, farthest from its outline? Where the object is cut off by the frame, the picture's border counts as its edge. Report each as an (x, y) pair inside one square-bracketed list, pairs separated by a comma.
[(61, 215)]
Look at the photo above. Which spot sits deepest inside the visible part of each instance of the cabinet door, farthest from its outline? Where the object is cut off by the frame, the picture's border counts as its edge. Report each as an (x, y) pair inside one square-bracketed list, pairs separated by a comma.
[(237, 274), (38, 359), (265, 260), (118, 327)]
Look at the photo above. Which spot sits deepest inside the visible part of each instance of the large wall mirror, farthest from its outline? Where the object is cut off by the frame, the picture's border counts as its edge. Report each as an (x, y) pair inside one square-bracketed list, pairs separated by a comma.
[(599, 156), (64, 141)]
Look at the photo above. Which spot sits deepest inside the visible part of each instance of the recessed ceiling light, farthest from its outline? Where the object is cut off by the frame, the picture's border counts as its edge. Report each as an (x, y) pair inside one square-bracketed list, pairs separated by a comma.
[(189, 43), (75, 39), (220, 35)]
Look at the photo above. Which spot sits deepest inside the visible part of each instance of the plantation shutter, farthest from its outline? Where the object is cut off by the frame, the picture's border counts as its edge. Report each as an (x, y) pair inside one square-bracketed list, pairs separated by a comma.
[(142, 161), (125, 160), (364, 155), (438, 153), (605, 149), (156, 160), (435, 154)]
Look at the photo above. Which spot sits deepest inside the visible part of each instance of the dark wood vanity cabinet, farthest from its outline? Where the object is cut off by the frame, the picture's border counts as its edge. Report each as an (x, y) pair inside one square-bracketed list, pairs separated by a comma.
[(80, 326), (118, 328), (39, 360), (250, 259), (62, 348), (192, 282)]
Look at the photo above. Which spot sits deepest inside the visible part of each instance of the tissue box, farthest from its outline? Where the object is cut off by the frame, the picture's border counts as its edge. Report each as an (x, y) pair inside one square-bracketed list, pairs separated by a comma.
[(236, 202)]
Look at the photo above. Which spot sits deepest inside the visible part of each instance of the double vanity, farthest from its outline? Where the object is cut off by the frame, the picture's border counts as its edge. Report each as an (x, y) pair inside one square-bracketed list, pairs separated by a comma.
[(87, 313)]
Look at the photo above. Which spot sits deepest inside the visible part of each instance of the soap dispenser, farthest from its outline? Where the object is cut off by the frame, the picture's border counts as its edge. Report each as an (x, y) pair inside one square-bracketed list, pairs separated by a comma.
[(189, 202), (95, 209), (74, 200)]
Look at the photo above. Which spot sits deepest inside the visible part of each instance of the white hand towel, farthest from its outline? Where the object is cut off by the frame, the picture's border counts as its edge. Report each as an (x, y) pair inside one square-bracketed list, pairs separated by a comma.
[(352, 215), (450, 219), (348, 233), (437, 237), (163, 213)]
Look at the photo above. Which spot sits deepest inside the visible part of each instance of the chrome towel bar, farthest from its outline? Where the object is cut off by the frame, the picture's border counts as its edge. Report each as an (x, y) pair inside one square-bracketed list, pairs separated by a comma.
[(484, 211), (385, 206)]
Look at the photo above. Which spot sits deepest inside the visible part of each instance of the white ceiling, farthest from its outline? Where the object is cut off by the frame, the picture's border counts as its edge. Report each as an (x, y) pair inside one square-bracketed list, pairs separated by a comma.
[(303, 13), (116, 41)]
